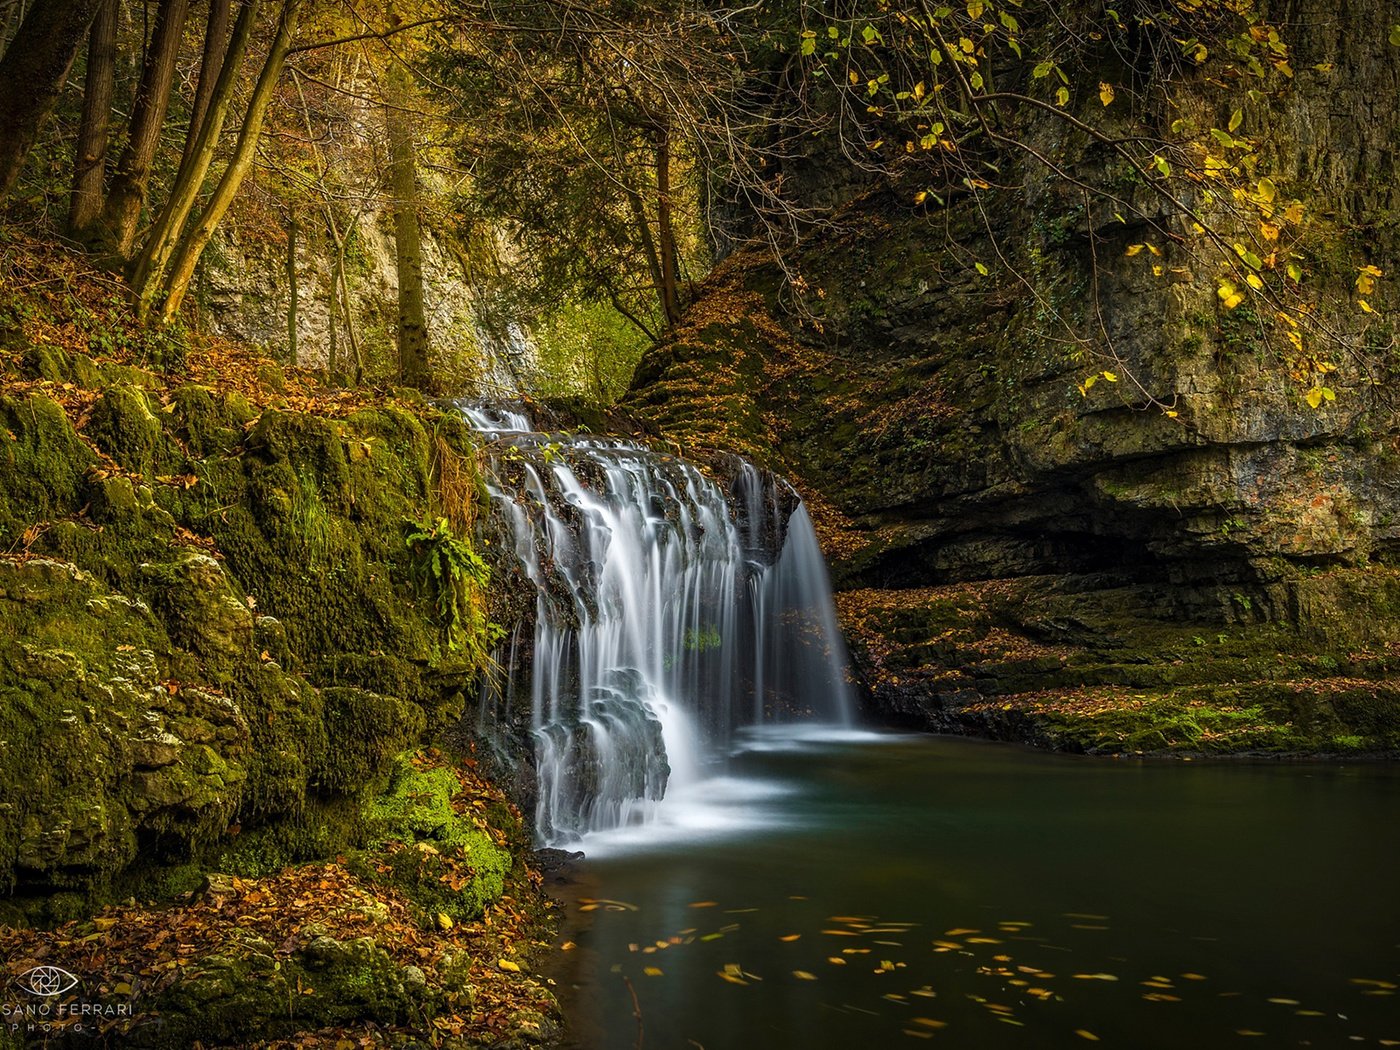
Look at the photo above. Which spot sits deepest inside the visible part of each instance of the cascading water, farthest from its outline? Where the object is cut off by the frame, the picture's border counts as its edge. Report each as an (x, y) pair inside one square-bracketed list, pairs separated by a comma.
[(666, 616)]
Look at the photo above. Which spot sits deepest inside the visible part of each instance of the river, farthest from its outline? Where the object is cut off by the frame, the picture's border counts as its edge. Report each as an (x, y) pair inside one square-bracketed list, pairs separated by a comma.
[(852, 889)]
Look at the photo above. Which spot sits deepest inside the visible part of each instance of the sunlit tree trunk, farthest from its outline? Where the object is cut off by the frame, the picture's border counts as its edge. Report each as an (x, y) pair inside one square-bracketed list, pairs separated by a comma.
[(90, 159), (148, 275), (403, 182), (32, 74), (185, 260), (126, 197)]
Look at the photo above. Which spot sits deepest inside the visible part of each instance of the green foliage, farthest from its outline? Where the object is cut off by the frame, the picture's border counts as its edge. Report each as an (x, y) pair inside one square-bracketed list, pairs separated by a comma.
[(455, 579), (436, 852), (587, 350)]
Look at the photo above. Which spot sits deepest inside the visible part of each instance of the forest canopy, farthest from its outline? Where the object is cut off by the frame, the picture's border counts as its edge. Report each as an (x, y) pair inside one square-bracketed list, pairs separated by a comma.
[(590, 162)]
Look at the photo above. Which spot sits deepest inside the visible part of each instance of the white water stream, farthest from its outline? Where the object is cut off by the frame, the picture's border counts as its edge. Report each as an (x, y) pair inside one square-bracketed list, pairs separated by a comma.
[(667, 615)]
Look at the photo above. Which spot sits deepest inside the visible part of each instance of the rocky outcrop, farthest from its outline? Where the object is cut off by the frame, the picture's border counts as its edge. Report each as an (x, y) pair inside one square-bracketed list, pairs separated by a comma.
[(932, 414), (212, 647)]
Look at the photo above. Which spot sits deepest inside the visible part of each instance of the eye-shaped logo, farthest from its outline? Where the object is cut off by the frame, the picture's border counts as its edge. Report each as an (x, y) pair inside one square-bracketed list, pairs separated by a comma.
[(46, 981)]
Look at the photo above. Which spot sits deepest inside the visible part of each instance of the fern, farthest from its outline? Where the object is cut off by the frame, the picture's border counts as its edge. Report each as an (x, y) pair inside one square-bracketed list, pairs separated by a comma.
[(455, 579)]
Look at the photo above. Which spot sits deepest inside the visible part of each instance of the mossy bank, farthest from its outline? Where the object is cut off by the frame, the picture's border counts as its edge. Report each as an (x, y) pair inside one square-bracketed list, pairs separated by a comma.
[(220, 657)]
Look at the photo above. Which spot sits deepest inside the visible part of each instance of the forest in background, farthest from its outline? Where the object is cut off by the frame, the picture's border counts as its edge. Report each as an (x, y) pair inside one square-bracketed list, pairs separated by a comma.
[(579, 168)]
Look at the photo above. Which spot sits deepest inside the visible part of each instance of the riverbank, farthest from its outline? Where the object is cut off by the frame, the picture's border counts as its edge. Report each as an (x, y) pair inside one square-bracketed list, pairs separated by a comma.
[(239, 804)]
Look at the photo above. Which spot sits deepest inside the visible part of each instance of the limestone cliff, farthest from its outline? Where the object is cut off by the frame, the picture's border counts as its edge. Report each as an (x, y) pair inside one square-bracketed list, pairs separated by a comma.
[(1239, 543)]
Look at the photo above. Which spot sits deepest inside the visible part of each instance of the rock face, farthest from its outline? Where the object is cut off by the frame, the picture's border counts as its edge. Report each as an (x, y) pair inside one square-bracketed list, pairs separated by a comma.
[(246, 294), (933, 413), (211, 647)]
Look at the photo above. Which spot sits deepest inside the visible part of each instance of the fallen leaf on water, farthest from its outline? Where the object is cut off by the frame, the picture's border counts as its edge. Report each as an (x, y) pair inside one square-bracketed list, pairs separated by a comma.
[(790, 937), (1312, 1013), (836, 960), (1194, 976), (1247, 1031), (840, 933), (1084, 1033), (959, 932), (1285, 1002), (929, 1022), (1373, 982), (705, 904), (1095, 977), (567, 946), (803, 975), (653, 971)]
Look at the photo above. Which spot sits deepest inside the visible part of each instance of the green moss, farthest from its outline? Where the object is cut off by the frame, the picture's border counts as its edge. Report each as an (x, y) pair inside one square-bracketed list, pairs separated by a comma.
[(125, 426), (437, 854), (42, 463)]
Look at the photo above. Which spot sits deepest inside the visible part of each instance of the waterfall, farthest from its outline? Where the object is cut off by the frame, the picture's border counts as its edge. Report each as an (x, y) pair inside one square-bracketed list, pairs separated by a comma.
[(667, 615)]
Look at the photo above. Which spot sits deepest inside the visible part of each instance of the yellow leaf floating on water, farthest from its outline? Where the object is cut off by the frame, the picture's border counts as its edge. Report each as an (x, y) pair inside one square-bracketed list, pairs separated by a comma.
[(840, 933), (959, 932), (1084, 1033), (929, 1022), (803, 975), (1311, 1013), (653, 971), (1095, 977), (705, 904), (836, 960), (1373, 982), (567, 946), (1247, 1031), (790, 937), (1285, 1002), (1193, 976)]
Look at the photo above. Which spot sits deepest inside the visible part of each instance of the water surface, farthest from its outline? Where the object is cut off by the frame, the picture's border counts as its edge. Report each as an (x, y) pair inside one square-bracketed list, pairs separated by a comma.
[(855, 890)]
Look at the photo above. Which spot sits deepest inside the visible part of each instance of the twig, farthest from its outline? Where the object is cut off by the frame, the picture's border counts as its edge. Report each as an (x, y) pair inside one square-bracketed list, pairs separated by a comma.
[(636, 1011)]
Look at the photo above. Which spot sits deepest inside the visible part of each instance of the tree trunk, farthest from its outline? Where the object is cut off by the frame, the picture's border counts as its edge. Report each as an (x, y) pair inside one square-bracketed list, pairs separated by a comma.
[(148, 276), (90, 160), (292, 291), (665, 230), (32, 74), (210, 63), (403, 181), (127, 195), (183, 264)]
